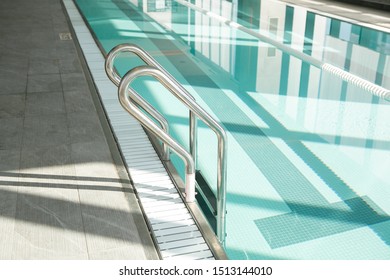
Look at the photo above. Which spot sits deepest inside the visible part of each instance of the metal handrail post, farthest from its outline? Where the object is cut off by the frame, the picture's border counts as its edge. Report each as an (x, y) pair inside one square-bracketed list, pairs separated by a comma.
[(194, 138)]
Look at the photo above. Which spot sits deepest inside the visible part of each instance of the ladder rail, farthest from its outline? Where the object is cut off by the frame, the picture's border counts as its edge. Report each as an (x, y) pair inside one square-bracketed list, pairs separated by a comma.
[(113, 75), (126, 94)]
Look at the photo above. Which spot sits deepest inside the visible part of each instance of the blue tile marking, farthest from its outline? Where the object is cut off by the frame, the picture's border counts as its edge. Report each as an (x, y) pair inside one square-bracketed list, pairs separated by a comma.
[(311, 215), (308, 222)]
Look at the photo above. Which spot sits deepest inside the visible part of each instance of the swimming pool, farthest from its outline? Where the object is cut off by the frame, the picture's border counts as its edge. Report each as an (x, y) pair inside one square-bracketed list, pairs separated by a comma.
[(308, 154)]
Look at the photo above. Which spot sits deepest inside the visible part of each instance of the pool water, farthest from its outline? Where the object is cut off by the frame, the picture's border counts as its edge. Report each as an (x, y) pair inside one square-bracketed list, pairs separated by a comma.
[(308, 153)]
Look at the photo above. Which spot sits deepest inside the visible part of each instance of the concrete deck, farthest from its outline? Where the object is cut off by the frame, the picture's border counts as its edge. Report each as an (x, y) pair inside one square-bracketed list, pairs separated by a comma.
[(63, 193)]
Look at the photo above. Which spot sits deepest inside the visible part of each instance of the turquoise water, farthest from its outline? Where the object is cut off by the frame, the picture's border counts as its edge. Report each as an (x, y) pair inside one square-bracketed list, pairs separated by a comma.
[(308, 154)]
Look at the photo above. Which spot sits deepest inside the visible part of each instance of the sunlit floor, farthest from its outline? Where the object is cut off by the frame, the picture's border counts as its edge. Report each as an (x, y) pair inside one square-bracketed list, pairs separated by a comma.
[(62, 194)]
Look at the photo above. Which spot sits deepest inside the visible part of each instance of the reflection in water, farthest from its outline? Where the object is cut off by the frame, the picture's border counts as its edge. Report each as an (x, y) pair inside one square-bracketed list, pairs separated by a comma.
[(261, 68)]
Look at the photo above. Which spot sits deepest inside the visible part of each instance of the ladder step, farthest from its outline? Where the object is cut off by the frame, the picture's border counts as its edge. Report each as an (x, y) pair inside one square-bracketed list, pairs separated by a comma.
[(206, 200)]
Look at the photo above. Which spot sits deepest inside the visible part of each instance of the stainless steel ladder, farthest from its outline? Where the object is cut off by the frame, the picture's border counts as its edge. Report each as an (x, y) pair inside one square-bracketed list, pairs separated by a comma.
[(131, 101)]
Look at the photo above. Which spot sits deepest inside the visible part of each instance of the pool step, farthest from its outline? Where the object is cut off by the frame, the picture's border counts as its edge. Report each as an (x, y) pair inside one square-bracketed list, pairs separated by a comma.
[(206, 199)]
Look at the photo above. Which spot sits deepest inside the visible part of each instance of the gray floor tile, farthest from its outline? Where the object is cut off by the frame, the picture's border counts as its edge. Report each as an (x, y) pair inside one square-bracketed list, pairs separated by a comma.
[(45, 130), (43, 53), (95, 151), (48, 206), (65, 48), (43, 66), (78, 101), (107, 227), (59, 27), (70, 65), (12, 82), (59, 20), (57, 15), (9, 161), (8, 199), (17, 41), (15, 63), (49, 160), (49, 226), (44, 83), (109, 224), (120, 253), (49, 42), (12, 105), (45, 103), (11, 133), (74, 81), (9, 179), (93, 160), (84, 127)]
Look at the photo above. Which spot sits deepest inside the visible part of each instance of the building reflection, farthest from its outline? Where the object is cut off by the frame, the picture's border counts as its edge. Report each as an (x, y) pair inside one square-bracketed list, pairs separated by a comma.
[(260, 68)]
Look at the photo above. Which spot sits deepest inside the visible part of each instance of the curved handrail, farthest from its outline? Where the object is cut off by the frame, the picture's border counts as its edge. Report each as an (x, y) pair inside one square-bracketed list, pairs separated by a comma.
[(114, 76), (125, 100), (142, 54), (116, 79), (180, 93), (149, 60)]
